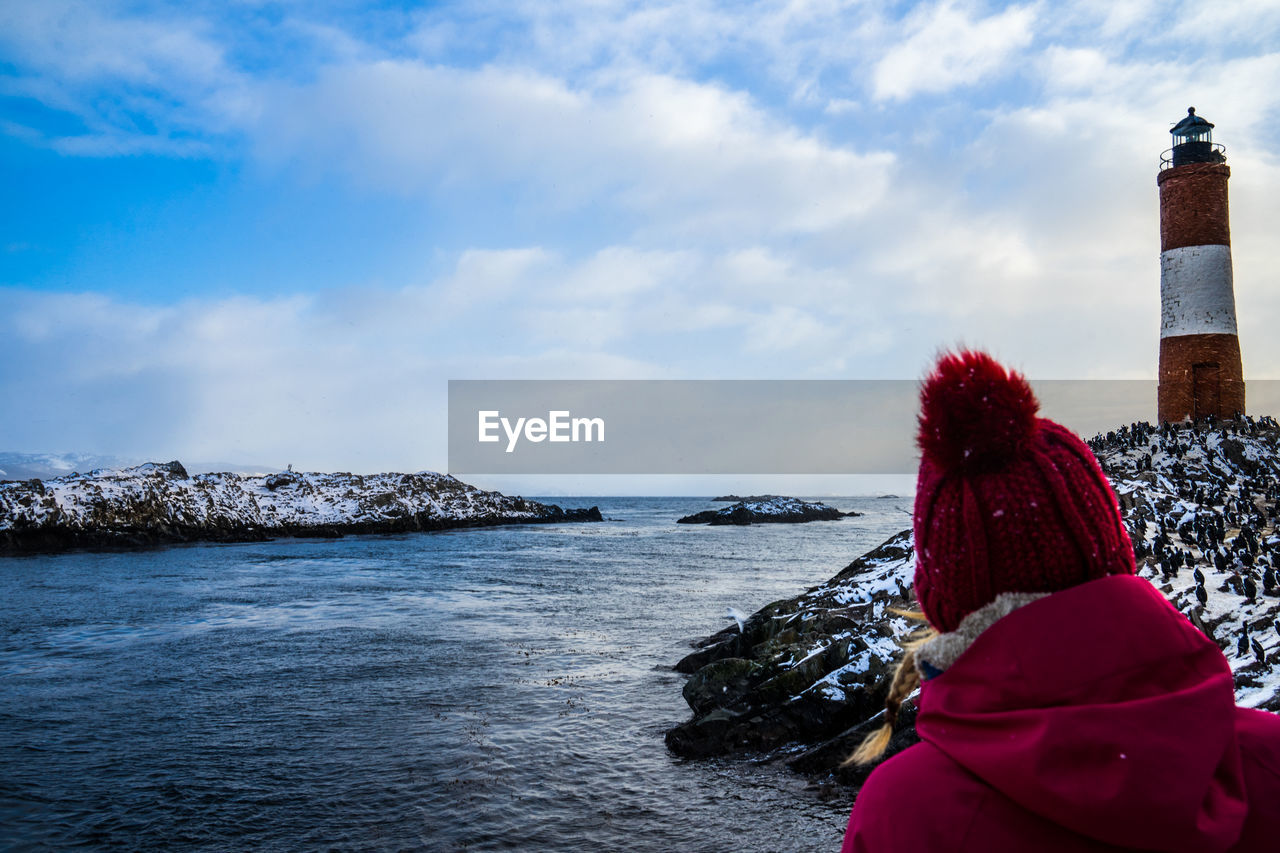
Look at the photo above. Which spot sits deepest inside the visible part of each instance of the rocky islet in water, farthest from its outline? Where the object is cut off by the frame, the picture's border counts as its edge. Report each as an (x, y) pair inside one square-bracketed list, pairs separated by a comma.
[(766, 509), (155, 504)]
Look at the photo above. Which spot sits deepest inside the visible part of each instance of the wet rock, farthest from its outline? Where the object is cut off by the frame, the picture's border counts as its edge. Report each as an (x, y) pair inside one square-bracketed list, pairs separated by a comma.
[(802, 669), (719, 684), (829, 756)]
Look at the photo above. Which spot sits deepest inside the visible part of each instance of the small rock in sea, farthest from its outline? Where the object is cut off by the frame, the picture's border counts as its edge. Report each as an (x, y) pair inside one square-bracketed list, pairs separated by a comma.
[(774, 510)]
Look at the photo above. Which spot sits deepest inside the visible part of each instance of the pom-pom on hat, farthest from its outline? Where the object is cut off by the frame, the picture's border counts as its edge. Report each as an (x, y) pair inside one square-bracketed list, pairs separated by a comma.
[(1005, 501)]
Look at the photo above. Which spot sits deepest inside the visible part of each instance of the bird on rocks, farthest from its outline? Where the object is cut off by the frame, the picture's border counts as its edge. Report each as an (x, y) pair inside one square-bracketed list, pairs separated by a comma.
[(1199, 576), (1242, 647), (1250, 589), (1258, 652), (1202, 595)]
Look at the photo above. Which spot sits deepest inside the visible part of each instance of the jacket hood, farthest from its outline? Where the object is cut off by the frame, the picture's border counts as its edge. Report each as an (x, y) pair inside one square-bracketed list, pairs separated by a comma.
[(1102, 709)]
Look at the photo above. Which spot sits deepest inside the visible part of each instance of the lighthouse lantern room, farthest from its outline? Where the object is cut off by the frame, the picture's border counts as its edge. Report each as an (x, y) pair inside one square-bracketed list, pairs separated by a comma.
[(1193, 142)]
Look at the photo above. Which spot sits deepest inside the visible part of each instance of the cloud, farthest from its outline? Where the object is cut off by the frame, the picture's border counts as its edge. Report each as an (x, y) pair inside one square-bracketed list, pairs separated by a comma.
[(675, 157), (132, 83), (702, 190), (82, 42), (793, 45), (1254, 22), (945, 48), (342, 379)]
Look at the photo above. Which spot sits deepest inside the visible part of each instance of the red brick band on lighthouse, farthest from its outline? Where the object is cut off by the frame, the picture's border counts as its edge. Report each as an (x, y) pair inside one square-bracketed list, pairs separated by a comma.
[(1200, 370)]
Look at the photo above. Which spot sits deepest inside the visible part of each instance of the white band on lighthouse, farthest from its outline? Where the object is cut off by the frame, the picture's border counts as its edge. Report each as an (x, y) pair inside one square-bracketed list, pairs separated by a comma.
[(1196, 295)]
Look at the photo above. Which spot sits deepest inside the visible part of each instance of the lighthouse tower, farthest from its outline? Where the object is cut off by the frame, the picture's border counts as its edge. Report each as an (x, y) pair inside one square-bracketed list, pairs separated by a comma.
[(1200, 371)]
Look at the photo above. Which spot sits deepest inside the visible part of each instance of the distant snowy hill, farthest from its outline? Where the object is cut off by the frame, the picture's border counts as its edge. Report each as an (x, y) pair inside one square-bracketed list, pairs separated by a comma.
[(46, 466), (24, 466)]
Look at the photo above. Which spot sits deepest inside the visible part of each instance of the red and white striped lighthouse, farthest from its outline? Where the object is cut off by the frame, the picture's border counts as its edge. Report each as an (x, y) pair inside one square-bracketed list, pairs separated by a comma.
[(1200, 370)]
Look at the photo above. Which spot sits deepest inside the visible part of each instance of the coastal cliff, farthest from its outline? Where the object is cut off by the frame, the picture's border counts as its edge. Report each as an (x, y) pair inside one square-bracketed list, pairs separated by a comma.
[(155, 504)]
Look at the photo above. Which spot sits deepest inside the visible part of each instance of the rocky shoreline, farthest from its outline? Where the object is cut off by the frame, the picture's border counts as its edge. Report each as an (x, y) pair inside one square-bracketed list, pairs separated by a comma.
[(805, 678), (769, 509), (803, 672), (158, 504)]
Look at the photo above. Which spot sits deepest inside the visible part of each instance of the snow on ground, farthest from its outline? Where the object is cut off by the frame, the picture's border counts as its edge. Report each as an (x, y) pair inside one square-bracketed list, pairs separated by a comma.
[(1203, 499)]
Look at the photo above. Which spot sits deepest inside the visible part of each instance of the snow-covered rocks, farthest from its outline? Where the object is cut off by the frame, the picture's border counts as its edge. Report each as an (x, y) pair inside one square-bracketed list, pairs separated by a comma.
[(157, 503), (767, 509), (806, 677), (800, 669)]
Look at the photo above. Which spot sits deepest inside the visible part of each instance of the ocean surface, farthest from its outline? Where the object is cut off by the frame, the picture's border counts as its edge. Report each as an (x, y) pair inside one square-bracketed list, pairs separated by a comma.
[(483, 689)]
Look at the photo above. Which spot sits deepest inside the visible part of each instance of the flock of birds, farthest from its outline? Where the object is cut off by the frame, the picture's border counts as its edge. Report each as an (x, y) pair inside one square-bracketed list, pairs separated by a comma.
[(1202, 498)]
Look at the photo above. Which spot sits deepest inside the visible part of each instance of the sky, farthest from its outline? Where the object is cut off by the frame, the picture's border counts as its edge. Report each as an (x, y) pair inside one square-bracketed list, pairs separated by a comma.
[(271, 232)]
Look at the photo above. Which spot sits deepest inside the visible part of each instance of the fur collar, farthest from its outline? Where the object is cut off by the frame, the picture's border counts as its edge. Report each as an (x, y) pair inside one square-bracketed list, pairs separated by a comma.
[(942, 651)]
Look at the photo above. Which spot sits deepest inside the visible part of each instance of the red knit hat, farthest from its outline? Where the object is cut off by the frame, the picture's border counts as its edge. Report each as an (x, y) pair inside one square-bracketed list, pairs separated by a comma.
[(1005, 501)]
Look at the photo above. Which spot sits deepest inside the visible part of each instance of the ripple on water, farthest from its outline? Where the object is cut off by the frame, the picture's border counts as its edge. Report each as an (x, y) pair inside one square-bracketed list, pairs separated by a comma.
[(477, 690)]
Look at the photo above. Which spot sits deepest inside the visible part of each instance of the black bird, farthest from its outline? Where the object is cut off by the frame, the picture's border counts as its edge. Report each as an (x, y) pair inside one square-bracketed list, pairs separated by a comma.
[(1202, 594), (1250, 589), (1199, 576), (1258, 652), (1242, 647)]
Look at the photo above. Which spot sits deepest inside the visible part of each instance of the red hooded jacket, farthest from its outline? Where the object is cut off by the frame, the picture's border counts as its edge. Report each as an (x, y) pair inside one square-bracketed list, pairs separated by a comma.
[(1097, 718)]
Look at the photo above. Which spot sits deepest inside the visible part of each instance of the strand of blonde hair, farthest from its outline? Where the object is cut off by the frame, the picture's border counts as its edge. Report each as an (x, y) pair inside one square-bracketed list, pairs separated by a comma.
[(906, 678)]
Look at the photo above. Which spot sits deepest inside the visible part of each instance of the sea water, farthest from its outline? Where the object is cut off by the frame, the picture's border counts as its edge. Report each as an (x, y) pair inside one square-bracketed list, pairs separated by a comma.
[(480, 689)]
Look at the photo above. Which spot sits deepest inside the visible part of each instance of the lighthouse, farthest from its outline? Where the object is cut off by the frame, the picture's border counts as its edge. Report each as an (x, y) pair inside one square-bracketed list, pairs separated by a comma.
[(1200, 370)]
